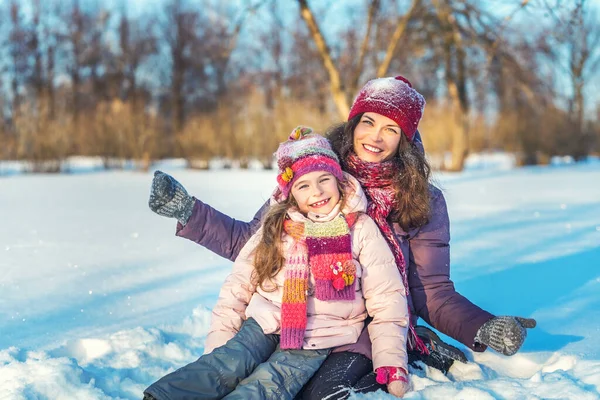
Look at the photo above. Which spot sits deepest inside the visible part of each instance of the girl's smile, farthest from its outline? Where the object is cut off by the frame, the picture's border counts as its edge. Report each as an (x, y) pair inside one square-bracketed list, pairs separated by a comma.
[(316, 192), (319, 204)]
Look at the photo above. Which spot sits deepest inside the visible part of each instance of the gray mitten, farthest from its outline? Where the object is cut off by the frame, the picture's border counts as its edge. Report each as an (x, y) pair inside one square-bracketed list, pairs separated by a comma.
[(169, 198), (504, 334)]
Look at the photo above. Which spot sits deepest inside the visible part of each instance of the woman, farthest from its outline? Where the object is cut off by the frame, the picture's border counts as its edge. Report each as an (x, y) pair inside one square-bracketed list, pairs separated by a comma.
[(380, 146)]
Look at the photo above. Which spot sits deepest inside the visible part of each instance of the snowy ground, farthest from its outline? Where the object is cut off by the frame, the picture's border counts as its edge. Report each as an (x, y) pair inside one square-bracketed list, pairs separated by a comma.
[(98, 298)]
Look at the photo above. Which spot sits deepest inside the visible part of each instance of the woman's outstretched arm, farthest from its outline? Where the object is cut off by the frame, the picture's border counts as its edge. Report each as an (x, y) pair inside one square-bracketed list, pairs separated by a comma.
[(198, 221), (217, 231)]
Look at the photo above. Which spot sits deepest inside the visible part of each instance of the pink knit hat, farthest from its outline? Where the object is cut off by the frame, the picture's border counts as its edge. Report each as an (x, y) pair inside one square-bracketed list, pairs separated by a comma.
[(304, 152), (394, 98)]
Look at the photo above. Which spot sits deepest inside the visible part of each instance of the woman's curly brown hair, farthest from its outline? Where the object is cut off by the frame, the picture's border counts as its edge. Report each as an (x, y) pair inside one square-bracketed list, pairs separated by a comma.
[(411, 184)]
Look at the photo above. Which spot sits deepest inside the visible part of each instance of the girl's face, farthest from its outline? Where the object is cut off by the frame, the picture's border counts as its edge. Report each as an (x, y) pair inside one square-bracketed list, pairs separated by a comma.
[(316, 192), (376, 137)]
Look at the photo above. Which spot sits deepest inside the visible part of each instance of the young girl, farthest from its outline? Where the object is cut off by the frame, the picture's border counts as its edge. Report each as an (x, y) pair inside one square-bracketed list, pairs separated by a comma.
[(302, 285)]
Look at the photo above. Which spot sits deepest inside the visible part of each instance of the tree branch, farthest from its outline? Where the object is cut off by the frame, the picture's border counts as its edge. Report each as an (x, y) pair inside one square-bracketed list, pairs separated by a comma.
[(395, 39), (373, 8), (334, 76)]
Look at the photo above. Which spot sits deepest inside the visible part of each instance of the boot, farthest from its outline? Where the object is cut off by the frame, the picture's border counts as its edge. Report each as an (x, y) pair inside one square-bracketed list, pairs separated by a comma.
[(441, 355)]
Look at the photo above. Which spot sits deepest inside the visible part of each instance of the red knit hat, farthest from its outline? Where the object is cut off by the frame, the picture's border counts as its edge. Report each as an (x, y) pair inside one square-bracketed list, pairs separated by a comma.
[(394, 98)]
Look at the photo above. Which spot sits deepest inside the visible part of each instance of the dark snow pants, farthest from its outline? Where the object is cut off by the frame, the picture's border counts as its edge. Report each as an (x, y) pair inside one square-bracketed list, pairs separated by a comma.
[(249, 366), (340, 375)]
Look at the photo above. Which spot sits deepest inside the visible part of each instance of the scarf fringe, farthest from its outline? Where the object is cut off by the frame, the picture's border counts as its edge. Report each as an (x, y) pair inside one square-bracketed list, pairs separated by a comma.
[(415, 343)]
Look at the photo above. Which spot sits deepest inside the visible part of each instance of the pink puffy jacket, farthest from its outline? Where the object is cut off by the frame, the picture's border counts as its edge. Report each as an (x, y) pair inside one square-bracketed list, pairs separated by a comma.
[(380, 293)]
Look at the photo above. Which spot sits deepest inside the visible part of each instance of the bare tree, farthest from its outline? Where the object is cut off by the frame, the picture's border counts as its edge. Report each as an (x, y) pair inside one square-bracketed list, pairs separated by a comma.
[(19, 42), (75, 37), (188, 83), (96, 54), (51, 45), (397, 36), (180, 33), (470, 43), (335, 80), (37, 78), (579, 32), (342, 90), (455, 59), (137, 43)]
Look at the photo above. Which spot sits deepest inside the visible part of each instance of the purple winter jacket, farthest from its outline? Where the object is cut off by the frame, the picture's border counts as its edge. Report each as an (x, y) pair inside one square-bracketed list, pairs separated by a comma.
[(427, 249)]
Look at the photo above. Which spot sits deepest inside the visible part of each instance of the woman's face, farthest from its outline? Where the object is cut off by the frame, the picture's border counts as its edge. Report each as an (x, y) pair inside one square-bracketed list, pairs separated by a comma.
[(376, 137)]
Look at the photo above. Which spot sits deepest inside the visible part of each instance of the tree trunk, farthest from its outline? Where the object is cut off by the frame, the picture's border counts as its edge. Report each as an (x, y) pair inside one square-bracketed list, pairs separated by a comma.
[(335, 83), (456, 84), (460, 137), (353, 85)]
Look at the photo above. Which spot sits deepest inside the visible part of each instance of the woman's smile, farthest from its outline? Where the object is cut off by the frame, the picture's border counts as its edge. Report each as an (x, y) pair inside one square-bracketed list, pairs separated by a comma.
[(372, 149)]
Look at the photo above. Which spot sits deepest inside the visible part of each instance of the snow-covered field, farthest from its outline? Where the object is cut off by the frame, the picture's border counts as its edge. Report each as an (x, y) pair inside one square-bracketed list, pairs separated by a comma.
[(98, 298)]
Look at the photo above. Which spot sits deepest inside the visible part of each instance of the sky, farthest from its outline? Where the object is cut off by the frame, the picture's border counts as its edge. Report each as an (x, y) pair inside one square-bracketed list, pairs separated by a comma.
[(99, 298)]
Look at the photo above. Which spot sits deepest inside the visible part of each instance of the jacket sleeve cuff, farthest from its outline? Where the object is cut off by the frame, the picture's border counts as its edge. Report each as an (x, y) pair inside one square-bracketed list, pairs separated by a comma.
[(478, 347), (190, 230)]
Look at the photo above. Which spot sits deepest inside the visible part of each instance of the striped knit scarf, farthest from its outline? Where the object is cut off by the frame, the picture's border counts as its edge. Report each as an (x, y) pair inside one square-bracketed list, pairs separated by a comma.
[(325, 250), (377, 181)]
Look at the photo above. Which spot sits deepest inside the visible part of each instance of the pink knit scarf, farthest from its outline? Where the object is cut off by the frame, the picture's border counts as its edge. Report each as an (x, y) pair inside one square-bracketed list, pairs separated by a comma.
[(323, 249), (377, 179)]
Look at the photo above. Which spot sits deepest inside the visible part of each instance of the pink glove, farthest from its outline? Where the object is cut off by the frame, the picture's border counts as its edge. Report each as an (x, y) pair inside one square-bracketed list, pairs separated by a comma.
[(396, 379), (390, 374)]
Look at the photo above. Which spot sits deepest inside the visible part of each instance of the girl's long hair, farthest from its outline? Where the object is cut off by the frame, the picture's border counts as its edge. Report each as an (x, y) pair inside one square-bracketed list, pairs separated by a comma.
[(412, 207), (268, 255)]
